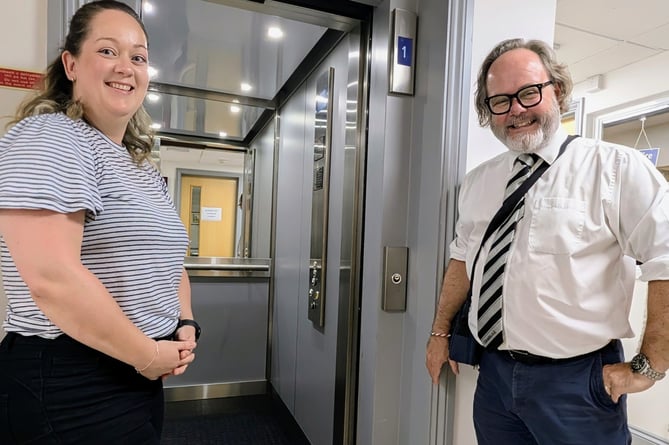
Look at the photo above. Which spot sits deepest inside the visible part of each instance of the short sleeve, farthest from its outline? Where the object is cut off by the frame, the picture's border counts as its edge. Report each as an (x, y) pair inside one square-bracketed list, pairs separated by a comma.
[(45, 163)]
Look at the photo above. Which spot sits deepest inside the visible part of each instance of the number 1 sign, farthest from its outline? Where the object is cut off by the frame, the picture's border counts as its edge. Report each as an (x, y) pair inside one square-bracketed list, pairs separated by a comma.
[(403, 47)]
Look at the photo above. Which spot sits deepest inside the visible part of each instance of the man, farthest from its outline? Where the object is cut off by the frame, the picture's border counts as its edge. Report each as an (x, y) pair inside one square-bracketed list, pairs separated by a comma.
[(552, 287)]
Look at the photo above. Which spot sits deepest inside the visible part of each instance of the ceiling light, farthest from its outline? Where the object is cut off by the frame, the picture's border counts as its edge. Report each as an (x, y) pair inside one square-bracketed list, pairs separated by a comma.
[(236, 101), (246, 87), (235, 109), (274, 32), (152, 72), (147, 7), (153, 97), (156, 126), (223, 134)]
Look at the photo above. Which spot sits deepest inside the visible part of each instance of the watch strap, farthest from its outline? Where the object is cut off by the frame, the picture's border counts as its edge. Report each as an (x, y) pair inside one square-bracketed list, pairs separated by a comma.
[(652, 373), (188, 322)]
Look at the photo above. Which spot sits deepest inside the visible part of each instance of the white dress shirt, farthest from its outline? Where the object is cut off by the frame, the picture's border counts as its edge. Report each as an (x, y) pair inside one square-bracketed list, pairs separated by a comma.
[(570, 270)]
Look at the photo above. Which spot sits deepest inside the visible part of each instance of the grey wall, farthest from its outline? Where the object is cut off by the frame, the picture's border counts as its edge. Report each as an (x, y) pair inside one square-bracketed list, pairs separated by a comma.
[(233, 315), (291, 246), (388, 175), (412, 172), (438, 146), (304, 358), (262, 193)]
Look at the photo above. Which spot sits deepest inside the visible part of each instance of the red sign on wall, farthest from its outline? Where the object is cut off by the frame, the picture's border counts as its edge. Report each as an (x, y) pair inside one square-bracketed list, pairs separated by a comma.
[(26, 80)]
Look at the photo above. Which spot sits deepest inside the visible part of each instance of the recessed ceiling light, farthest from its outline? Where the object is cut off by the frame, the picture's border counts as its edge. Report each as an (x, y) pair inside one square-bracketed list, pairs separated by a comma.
[(236, 101), (223, 134), (153, 97), (246, 87), (156, 126), (147, 7), (274, 32)]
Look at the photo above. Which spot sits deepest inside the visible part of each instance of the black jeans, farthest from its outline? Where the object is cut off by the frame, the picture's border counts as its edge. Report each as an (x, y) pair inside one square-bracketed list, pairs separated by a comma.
[(63, 392)]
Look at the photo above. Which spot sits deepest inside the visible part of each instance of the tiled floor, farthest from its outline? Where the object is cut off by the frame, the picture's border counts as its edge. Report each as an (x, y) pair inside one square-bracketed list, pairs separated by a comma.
[(251, 420)]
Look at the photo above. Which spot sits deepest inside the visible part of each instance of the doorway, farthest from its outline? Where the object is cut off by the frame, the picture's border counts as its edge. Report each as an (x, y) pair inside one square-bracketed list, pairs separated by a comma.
[(643, 126), (208, 210)]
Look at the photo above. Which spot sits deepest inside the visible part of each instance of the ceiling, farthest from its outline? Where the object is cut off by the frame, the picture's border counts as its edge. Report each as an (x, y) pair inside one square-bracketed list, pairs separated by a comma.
[(598, 36), (204, 50), (229, 160), (216, 68)]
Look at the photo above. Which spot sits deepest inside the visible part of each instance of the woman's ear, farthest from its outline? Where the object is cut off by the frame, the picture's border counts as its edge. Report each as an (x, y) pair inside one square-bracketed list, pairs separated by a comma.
[(69, 64)]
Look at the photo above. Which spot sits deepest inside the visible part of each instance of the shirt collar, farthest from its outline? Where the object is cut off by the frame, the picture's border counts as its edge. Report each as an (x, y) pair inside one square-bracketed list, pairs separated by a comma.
[(550, 152)]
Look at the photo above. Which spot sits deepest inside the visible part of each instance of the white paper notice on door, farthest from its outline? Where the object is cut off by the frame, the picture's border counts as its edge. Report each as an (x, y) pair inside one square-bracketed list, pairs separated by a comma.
[(210, 213)]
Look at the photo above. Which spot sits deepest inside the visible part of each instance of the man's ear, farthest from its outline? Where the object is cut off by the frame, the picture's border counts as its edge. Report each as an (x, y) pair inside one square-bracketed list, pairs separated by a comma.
[(69, 63), (558, 89)]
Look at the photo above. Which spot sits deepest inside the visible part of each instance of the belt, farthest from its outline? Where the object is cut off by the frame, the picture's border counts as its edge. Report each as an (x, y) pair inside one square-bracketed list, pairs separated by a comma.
[(528, 358)]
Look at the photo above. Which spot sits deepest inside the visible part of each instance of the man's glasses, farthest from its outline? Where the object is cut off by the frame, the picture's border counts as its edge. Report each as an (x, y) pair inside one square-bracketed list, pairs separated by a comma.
[(529, 96)]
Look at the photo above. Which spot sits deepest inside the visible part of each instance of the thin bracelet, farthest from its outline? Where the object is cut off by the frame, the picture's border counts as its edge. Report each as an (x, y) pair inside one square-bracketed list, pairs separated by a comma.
[(439, 334), (155, 356)]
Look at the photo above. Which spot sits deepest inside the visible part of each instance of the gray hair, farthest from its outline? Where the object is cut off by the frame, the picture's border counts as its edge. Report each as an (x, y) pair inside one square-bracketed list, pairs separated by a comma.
[(558, 72)]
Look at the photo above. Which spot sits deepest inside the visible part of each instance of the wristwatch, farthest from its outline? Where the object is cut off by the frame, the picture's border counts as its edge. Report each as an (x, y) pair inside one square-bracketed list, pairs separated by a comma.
[(187, 322), (641, 365)]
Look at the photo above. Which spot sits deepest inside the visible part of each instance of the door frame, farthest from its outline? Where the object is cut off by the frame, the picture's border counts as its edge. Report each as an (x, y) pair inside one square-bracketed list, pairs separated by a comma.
[(207, 174)]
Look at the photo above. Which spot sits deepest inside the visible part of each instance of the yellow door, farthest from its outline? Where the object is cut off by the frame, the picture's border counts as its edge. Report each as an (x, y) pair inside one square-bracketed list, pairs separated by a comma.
[(209, 212)]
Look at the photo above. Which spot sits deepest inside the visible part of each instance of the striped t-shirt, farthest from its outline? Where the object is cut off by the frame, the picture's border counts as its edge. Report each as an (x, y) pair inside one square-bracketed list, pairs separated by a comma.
[(133, 239)]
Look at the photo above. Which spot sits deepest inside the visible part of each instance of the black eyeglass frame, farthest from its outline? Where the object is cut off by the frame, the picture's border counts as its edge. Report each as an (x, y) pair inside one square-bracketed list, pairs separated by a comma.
[(539, 86)]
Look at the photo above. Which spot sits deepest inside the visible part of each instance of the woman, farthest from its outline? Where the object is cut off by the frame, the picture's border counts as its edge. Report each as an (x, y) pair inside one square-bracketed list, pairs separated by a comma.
[(92, 249)]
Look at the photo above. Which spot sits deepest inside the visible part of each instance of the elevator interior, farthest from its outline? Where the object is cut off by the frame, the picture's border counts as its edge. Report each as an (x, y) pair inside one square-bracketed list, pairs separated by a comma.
[(267, 96)]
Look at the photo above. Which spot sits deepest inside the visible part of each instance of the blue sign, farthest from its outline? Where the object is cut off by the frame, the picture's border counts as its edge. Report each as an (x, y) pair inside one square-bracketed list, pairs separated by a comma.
[(651, 154), (404, 50)]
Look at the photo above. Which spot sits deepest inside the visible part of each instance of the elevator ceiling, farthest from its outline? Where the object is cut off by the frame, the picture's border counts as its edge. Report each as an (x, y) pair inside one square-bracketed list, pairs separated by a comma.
[(221, 67)]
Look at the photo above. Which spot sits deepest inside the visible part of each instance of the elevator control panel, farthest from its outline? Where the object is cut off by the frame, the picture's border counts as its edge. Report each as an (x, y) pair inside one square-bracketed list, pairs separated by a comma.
[(320, 198), (316, 292)]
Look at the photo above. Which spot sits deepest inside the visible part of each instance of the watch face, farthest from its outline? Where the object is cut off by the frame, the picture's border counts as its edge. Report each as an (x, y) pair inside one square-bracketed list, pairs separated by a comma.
[(639, 362)]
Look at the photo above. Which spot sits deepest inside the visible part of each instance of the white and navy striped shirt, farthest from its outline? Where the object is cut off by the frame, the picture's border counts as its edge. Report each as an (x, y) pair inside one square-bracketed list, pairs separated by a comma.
[(133, 239)]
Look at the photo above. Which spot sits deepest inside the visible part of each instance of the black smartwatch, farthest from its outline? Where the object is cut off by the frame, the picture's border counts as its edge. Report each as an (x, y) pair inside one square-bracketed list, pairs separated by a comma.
[(187, 322)]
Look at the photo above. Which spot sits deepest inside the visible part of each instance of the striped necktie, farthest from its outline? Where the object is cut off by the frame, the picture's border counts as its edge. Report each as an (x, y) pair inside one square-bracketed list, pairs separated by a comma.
[(490, 295)]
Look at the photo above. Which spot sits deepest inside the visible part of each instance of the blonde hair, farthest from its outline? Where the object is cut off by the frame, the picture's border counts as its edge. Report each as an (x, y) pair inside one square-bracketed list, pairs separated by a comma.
[(55, 91)]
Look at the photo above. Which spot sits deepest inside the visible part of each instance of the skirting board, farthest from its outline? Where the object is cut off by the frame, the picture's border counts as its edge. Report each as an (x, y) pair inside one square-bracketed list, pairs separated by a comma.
[(642, 438), (215, 390)]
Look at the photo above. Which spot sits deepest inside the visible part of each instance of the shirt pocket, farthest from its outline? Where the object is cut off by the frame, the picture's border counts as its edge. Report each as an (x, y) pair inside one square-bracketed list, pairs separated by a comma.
[(557, 225)]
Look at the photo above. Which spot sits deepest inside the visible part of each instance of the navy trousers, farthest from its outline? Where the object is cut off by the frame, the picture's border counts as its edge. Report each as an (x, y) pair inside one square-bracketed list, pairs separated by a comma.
[(561, 403), (63, 392)]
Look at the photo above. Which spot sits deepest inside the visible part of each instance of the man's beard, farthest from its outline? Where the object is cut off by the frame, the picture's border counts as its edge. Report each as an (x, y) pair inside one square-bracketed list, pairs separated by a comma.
[(531, 142)]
